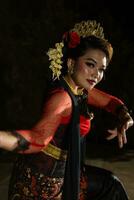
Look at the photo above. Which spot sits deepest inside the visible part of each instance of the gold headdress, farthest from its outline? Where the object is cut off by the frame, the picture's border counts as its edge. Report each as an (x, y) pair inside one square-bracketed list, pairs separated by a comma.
[(87, 28), (82, 29)]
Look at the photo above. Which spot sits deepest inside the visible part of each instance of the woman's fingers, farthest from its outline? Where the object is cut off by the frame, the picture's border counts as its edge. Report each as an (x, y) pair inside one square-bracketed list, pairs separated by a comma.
[(122, 139), (120, 132), (113, 134), (121, 135)]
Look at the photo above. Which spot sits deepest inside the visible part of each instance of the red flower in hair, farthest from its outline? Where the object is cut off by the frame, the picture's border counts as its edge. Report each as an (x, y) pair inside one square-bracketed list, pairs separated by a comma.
[(72, 38)]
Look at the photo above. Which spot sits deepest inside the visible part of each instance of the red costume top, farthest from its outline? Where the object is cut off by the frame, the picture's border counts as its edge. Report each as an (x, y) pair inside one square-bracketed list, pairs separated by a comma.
[(57, 111)]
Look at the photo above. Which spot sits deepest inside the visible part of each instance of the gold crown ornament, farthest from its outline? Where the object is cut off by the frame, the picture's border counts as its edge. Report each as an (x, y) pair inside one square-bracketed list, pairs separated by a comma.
[(87, 28), (82, 29)]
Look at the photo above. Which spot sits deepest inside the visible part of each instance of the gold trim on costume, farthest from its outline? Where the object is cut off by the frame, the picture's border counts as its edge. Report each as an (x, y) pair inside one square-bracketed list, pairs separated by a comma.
[(78, 92), (55, 152)]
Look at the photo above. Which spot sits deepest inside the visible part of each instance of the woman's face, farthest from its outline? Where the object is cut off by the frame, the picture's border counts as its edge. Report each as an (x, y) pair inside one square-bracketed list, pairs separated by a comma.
[(89, 68)]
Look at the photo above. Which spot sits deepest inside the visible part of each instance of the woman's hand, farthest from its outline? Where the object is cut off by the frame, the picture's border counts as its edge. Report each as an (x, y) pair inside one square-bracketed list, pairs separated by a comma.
[(120, 131), (8, 141)]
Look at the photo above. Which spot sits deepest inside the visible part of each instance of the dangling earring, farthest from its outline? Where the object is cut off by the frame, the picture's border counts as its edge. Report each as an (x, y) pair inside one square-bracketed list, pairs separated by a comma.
[(70, 64), (71, 70)]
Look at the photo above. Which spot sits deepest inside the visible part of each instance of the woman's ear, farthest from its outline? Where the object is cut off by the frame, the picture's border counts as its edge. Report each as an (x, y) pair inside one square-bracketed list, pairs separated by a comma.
[(70, 65)]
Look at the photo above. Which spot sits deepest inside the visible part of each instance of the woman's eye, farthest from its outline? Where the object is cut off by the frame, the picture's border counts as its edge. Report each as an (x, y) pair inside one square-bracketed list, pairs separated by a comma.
[(90, 64)]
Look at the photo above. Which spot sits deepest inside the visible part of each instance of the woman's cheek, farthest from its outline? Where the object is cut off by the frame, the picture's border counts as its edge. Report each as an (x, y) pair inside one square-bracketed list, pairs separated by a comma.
[(100, 77), (82, 68)]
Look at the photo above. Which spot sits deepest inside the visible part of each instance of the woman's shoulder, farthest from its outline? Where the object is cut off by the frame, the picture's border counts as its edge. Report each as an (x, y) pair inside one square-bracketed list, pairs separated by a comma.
[(59, 96), (59, 92), (59, 100)]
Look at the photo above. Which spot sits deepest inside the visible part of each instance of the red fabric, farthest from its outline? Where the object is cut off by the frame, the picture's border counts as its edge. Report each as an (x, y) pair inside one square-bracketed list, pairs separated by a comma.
[(57, 110), (103, 100), (85, 124)]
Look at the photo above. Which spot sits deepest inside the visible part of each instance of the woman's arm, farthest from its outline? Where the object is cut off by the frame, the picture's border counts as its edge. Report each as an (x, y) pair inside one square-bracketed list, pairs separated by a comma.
[(59, 105), (114, 105), (8, 141), (103, 100)]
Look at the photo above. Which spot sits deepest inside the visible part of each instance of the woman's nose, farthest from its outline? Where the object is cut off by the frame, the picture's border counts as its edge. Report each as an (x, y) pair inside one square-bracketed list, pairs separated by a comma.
[(95, 73)]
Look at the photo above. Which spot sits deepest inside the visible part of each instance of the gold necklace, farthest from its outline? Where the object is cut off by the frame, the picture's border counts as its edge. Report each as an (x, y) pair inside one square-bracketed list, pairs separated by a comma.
[(79, 91)]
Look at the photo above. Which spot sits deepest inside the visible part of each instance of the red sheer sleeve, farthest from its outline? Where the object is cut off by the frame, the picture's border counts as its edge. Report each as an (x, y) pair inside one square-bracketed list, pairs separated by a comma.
[(57, 107), (103, 100)]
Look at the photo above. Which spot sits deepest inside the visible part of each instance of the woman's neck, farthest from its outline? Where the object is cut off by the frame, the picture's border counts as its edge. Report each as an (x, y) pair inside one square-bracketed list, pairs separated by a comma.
[(72, 85)]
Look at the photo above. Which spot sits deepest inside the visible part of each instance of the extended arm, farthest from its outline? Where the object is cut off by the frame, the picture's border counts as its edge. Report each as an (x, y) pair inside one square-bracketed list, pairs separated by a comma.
[(114, 105), (103, 100), (58, 106)]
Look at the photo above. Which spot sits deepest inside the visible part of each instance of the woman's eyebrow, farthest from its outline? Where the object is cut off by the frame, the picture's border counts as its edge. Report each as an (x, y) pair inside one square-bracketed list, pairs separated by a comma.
[(91, 59)]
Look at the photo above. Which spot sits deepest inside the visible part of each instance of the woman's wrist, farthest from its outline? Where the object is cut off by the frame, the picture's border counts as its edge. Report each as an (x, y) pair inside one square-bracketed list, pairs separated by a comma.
[(13, 141), (123, 115), (22, 143), (121, 109)]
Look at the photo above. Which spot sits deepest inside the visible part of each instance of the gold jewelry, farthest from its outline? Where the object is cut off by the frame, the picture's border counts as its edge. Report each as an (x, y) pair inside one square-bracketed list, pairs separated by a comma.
[(55, 55), (87, 28), (71, 70), (55, 152), (79, 91), (83, 29)]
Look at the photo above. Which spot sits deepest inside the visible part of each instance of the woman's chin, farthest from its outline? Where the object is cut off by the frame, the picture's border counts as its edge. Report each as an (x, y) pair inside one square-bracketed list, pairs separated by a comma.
[(90, 87)]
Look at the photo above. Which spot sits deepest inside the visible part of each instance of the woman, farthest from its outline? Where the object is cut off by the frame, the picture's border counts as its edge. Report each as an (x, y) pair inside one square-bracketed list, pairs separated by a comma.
[(50, 164)]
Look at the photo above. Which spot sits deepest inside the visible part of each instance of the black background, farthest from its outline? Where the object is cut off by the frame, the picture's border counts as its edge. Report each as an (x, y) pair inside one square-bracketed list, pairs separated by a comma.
[(29, 28)]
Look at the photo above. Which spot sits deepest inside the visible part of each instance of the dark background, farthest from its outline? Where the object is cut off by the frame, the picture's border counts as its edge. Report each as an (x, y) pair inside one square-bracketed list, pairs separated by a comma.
[(29, 28)]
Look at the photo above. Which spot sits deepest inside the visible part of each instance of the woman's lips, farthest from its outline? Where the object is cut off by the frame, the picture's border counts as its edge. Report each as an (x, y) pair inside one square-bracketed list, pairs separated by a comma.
[(91, 82)]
